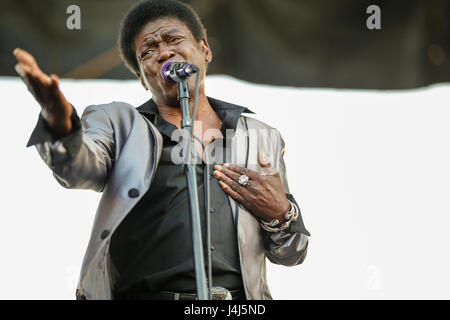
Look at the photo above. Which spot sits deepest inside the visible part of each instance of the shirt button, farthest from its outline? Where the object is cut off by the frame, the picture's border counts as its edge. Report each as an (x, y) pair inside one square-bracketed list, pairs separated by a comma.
[(133, 193), (104, 234)]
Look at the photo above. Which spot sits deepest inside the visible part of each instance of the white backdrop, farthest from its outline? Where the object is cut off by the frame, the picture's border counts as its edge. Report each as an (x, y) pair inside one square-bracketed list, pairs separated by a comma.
[(370, 169)]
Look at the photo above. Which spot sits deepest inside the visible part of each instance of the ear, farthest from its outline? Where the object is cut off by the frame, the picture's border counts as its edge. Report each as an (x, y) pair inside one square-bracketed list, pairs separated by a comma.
[(206, 50), (142, 80)]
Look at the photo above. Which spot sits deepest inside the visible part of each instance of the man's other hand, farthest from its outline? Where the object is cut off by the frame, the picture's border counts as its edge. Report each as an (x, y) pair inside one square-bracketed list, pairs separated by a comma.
[(263, 196)]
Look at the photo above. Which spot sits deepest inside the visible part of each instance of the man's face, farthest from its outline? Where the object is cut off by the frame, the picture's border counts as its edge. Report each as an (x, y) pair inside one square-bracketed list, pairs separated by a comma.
[(168, 39)]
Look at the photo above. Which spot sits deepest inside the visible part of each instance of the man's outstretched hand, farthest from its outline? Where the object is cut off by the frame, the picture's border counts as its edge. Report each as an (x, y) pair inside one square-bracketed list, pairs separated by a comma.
[(56, 110)]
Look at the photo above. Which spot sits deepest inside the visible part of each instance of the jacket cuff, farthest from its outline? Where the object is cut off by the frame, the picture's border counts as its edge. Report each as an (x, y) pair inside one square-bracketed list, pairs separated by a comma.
[(54, 150), (41, 132)]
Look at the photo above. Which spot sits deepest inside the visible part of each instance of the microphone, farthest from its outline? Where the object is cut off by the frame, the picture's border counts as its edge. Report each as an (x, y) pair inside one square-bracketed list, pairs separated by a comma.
[(173, 71)]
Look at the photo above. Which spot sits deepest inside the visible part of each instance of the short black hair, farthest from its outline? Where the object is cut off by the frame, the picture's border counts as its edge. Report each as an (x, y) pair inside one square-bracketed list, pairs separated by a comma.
[(149, 10)]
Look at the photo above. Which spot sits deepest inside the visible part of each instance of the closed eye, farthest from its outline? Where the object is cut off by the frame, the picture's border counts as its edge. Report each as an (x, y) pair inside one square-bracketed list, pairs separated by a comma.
[(143, 54), (175, 39)]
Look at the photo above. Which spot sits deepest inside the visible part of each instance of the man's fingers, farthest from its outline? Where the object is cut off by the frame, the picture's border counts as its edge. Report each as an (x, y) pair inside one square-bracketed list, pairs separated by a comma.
[(55, 90), (235, 195), (54, 77), (233, 184), (45, 89), (33, 75), (24, 72), (54, 82), (242, 170), (24, 57), (38, 84), (19, 70), (229, 173), (41, 77), (30, 67)]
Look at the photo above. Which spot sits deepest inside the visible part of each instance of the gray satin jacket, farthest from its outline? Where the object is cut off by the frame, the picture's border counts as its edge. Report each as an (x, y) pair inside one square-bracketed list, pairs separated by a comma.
[(116, 149)]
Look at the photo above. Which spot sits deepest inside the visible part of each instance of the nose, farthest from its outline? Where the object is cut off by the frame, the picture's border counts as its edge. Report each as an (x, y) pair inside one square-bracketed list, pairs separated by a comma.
[(165, 53)]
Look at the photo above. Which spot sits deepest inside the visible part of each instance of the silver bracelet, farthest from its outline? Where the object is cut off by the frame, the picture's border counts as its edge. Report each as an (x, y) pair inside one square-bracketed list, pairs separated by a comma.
[(291, 215), (274, 222)]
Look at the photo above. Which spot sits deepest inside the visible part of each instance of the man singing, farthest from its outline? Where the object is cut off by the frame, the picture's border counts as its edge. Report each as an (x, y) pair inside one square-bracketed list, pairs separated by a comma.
[(140, 246)]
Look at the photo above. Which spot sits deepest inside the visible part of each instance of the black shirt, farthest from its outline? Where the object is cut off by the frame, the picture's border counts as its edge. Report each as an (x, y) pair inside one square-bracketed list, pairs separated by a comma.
[(152, 247)]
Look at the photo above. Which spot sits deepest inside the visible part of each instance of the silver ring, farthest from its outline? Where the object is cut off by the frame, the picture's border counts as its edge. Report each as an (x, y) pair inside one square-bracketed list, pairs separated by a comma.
[(243, 180)]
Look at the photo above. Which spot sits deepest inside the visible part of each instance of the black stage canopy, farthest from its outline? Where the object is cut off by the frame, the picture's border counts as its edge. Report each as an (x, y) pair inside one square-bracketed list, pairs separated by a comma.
[(302, 43)]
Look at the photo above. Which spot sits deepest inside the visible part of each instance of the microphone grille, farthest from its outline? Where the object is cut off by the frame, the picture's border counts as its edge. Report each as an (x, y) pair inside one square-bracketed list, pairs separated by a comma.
[(165, 71)]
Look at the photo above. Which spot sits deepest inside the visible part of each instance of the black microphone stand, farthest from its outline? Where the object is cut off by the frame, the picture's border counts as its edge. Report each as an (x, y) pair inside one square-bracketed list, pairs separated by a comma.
[(188, 163)]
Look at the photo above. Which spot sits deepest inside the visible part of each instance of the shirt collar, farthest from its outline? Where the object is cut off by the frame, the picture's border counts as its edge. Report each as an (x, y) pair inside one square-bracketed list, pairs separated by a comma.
[(227, 112)]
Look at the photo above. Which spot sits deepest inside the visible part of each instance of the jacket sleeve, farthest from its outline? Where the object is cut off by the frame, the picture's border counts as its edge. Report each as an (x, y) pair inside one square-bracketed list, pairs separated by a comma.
[(287, 247), (83, 158)]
